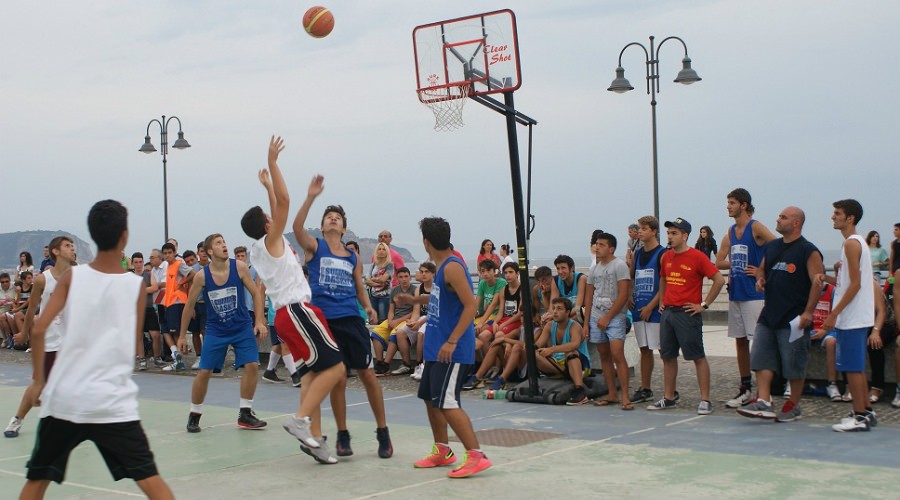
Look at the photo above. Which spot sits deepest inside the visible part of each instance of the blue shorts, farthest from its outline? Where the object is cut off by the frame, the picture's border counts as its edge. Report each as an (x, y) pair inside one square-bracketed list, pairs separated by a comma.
[(442, 382), (273, 336), (616, 330), (198, 322), (215, 346), (850, 351)]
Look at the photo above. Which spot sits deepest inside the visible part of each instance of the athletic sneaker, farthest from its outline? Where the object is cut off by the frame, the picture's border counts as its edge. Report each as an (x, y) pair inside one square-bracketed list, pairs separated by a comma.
[(142, 364), (743, 397), (320, 454), (402, 370), (789, 412), (196, 365), (247, 420), (159, 362), (847, 397), (473, 383), (578, 397), (272, 377), (704, 408), (299, 428), (382, 369), (475, 462), (417, 374), (295, 378), (193, 424), (663, 404), (896, 402), (12, 430), (787, 389), (757, 409), (856, 423), (342, 447), (641, 395), (440, 455), (873, 418), (833, 393), (173, 367), (385, 448), (498, 384)]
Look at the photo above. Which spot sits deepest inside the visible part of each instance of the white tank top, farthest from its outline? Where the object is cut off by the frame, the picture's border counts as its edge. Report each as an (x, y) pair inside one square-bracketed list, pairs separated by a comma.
[(283, 276), (91, 379), (860, 312), (53, 337)]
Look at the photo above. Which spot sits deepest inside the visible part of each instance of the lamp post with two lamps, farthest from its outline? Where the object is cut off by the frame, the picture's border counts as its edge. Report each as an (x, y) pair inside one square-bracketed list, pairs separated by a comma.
[(148, 148), (621, 85)]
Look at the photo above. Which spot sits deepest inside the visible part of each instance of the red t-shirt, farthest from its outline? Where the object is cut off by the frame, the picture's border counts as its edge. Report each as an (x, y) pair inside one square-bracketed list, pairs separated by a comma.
[(684, 273)]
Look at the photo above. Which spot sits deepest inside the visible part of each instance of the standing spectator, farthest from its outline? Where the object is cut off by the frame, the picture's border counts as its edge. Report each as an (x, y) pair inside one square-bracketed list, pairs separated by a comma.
[(151, 322), (48, 259), (882, 335), (706, 243), (852, 315), (633, 244), (645, 277), (894, 262), (741, 252), (396, 259), (25, 264), (487, 252), (879, 256), (787, 277), (158, 269), (379, 280), (681, 324), (178, 278), (506, 254)]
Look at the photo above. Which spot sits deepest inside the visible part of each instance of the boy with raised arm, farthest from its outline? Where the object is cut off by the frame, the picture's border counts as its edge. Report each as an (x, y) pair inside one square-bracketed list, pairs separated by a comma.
[(91, 395), (300, 325)]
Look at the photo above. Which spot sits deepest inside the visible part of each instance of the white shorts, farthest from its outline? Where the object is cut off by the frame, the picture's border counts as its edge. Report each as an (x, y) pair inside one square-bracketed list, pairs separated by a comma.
[(411, 335), (742, 318), (647, 335)]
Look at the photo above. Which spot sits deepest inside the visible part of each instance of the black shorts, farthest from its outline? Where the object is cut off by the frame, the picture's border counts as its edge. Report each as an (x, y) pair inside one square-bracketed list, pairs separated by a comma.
[(273, 336), (679, 330), (173, 318), (198, 322), (441, 383), (353, 340), (123, 445), (151, 321), (161, 318)]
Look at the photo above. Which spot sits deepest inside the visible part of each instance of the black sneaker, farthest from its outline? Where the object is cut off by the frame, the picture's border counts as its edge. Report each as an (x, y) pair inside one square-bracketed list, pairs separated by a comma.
[(342, 447), (272, 377), (382, 369), (578, 398), (247, 420), (385, 448), (641, 395), (295, 378), (193, 424)]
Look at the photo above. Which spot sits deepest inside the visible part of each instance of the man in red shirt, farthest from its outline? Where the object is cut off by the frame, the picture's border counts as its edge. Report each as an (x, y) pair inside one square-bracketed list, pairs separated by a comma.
[(682, 270)]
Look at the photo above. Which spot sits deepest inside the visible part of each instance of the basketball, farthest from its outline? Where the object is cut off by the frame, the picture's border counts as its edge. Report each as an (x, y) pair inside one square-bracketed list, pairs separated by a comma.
[(318, 22)]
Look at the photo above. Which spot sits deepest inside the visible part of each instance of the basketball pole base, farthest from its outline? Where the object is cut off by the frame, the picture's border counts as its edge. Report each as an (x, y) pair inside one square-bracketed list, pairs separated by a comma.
[(556, 391)]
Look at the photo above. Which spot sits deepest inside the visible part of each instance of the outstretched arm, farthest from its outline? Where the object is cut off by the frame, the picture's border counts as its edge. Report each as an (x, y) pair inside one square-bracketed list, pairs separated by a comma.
[(306, 240), (279, 200)]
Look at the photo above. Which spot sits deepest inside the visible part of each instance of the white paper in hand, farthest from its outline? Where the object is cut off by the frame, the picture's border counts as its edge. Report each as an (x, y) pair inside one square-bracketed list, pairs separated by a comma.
[(796, 331)]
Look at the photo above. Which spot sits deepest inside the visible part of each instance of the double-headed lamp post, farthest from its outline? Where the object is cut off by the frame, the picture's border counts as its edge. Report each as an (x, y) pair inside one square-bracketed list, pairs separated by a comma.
[(620, 85), (148, 148)]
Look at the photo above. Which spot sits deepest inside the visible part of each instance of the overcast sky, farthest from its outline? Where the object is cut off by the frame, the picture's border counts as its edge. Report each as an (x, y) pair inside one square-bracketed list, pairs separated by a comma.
[(798, 104)]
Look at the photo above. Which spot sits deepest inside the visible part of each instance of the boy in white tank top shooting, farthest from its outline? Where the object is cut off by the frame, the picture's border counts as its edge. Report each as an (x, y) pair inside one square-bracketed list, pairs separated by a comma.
[(103, 305)]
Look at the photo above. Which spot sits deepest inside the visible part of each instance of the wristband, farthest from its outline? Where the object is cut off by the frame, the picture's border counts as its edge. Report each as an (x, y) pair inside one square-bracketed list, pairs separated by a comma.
[(704, 305)]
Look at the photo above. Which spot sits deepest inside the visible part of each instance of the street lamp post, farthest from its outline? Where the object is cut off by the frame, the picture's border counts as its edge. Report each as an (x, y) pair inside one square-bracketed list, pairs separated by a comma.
[(148, 148), (621, 85)]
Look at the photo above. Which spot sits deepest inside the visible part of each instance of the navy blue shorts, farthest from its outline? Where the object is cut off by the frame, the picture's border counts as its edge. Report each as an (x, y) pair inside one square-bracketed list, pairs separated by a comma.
[(273, 336), (442, 382), (173, 318), (353, 340), (161, 318), (198, 322)]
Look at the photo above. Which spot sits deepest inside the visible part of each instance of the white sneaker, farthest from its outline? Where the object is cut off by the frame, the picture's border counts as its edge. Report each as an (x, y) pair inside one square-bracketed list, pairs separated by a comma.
[(847, 397), (787, 390), (852, 424), (402, 370), (300, 429), (12, 430), (896, 402), (744, 396), (417, 375), (196, 365), (834, 394), (704, 408)]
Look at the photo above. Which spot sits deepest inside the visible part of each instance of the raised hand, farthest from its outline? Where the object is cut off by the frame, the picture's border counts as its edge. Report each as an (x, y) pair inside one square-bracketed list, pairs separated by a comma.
[(316, 186), (264, 179), (276, 146)]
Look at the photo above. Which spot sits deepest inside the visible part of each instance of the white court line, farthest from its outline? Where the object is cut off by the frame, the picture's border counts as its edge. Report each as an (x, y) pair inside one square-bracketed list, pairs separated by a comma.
[(14, 458), (685, 420), (79, 485), (501, 414), (534, 457), (324, 408)]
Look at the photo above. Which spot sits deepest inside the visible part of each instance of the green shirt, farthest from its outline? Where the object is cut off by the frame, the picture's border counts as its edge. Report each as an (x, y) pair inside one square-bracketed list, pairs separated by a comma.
[(486, 293)]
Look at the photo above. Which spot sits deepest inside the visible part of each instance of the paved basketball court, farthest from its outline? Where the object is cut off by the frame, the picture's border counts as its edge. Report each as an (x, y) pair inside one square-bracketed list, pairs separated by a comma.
[(636, 454)]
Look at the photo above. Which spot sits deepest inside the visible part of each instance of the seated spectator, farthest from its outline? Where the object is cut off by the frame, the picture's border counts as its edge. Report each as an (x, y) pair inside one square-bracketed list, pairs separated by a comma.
[(414, 328), (540, 297), (20, 309), (508, 305), (426, 279), (486, 252), (48, 259), (379, 280), (7, 301), (562, 350), (829, 340), (25, 264), (397, 316), (488, 286)]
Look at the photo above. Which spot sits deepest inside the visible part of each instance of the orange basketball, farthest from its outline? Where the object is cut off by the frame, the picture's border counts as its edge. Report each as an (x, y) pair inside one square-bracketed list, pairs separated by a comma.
[(318, 22)]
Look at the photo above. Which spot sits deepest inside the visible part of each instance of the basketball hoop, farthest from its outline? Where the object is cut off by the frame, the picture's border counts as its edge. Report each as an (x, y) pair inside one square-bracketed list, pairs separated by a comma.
[(446, 102)]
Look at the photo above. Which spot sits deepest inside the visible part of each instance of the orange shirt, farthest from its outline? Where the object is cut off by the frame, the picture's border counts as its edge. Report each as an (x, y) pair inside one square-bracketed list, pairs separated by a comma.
[(175, 294)]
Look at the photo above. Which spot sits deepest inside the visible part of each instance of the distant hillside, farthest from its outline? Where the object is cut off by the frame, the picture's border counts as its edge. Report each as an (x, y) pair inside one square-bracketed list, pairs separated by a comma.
[(366, 245), (12, 244)]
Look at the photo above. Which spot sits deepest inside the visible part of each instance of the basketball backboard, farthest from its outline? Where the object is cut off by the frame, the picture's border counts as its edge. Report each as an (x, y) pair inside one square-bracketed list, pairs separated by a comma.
[(481, 50)]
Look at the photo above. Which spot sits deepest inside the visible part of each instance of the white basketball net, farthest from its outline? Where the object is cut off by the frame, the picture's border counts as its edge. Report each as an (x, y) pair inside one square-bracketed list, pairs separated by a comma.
[(446, 103)]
